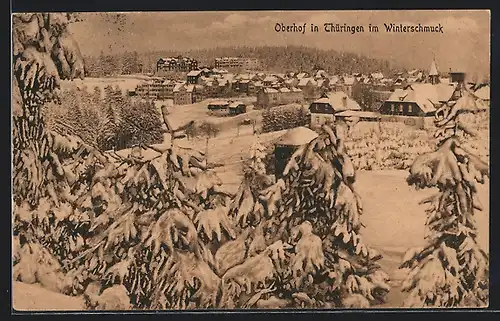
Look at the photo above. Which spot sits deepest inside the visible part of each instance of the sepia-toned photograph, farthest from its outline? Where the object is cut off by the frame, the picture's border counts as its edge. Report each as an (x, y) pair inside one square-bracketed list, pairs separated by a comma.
[(222, 160)]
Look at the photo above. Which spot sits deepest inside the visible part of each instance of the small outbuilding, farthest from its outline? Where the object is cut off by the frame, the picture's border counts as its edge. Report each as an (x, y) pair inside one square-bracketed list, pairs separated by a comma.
[(288, 144), (237, 107), (218, 107)]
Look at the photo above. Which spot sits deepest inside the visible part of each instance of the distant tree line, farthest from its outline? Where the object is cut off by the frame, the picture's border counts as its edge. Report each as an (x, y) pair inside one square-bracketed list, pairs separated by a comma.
[(109, 65), (273, 59)]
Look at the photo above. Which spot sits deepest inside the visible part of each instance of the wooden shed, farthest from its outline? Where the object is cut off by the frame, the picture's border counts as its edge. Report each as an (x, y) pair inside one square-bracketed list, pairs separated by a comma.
[(288, 144), (237, 107)]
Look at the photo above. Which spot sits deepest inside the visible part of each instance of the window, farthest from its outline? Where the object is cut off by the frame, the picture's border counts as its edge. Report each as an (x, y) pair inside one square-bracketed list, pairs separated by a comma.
[(392, 108), (401, 108), (410, 108)]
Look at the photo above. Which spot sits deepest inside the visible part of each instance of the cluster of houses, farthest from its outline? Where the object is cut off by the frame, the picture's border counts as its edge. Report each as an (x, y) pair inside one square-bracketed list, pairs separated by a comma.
[(412, 103), (271, 89), (413, 94)]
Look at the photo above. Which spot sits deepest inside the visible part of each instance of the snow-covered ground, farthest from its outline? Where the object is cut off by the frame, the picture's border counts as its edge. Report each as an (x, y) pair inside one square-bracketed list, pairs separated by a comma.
[(32, 297)]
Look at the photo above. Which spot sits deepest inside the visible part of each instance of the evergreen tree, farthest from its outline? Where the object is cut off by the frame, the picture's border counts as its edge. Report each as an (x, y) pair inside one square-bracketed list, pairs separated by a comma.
[(306, 239), (452, 270)]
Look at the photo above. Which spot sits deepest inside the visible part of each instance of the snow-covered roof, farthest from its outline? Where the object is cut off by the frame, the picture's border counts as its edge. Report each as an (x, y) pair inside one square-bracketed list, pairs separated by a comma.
[(235, 104), (297, 136), (339, 101), (270, 90), (426, 96), (194, 73), (306, 81)]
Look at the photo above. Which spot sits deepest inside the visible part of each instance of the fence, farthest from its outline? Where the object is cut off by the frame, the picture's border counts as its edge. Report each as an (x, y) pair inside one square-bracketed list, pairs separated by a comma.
[(417, 122)]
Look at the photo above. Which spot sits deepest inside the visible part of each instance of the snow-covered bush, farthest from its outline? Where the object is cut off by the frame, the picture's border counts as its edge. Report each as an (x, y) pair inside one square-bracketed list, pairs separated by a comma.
[(285, 117)]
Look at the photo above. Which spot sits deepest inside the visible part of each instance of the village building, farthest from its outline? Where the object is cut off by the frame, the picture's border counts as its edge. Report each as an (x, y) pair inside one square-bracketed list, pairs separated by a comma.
[(236, 108), (320, 74), (270, 97), (237, 63), (377, 76), (310, 88), (219, 107), (210, 89), (347, 85), (198, 93), (243, 86), (324, 109), (292, 82), (183, 94), (257, 86), (167, 90), (280, 77), (178, 64), (253, 77), (270, 80), (457, 76), (193, 77), (224, 87), (251, 88), (206, 72), (150, 89), (419, 99)]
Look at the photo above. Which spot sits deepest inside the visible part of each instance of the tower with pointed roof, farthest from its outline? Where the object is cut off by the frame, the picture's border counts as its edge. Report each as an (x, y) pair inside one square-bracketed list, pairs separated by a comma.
[(433, 73)]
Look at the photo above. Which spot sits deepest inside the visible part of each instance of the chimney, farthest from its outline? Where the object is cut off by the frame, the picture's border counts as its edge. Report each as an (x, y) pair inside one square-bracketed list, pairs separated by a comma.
[(344, 101)]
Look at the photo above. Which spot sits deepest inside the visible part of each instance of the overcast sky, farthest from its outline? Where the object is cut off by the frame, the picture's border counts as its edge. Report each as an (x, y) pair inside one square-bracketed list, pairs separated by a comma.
[(464, 45)]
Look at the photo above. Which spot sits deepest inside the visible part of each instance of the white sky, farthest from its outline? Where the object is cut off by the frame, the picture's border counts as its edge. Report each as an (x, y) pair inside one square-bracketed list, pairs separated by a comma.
[(464, 45)]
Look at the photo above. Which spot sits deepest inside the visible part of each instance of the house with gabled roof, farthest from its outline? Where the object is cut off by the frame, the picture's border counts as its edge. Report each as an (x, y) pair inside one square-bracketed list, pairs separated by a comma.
[(193, 76), (292, 82), (418, 99), (377, 76), (301, 75), (167, 89), (310, 88), (269, 97), (323, 110), (347, 84), (269, 80), (183, 95)]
